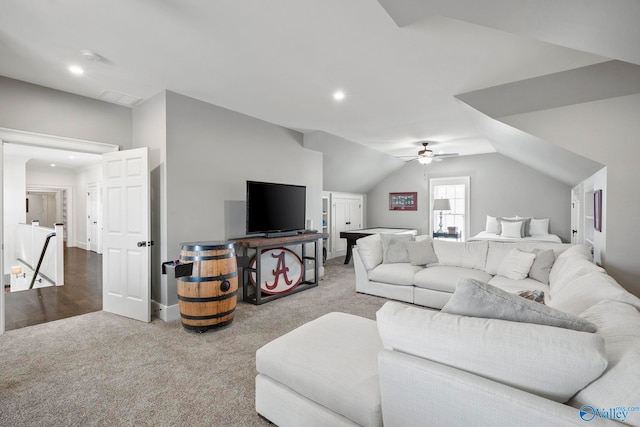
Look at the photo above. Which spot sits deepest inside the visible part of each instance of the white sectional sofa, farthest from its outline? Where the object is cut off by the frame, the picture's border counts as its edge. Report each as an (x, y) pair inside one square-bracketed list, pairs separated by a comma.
[(415, 366), (412, 281)]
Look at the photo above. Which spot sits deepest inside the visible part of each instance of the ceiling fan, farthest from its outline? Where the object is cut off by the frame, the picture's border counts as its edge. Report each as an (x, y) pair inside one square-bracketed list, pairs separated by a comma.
[(426, 156)]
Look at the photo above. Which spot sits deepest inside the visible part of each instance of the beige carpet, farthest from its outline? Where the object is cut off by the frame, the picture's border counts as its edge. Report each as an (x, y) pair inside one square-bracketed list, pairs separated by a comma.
[(100, 369)]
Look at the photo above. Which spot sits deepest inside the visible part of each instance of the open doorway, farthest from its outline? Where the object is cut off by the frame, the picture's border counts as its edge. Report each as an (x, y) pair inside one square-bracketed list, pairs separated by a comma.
[(82, 289), (55, 184)]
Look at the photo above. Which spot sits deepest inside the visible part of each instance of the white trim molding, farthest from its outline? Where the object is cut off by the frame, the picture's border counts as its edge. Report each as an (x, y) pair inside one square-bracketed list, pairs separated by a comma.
[(52, 141)]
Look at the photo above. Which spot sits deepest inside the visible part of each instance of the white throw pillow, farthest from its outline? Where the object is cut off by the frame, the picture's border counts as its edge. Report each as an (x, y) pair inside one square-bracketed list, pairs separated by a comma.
[(539, 227), (512, 229), (551, 362), (370, 250), (492, 225), (394, 248), (516, 264)]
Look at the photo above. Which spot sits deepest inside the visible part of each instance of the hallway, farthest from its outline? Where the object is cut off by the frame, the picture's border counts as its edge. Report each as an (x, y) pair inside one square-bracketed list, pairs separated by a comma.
[(81, 293)]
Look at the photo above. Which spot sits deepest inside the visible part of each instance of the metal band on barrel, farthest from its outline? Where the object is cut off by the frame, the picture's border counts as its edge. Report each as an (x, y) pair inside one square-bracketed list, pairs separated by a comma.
[(208, 279), (207, 257), (212, 316), (208, 299)]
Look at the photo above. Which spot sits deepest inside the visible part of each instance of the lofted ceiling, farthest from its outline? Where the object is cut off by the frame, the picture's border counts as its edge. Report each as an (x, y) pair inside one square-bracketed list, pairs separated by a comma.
[(404, 66)]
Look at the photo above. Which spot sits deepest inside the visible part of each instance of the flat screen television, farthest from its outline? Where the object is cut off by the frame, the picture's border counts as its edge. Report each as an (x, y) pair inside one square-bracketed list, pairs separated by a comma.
[(275, 209)]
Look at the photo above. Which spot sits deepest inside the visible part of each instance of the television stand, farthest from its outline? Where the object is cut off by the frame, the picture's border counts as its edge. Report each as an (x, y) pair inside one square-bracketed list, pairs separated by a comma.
[(256, 245)]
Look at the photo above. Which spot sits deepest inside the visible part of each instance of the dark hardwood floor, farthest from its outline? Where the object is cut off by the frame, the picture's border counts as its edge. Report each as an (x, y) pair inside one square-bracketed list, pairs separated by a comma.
[(81, 293)]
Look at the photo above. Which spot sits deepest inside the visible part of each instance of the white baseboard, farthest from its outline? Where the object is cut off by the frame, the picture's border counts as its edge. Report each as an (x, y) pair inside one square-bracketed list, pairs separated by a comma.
[(166, 313), (81, 245)]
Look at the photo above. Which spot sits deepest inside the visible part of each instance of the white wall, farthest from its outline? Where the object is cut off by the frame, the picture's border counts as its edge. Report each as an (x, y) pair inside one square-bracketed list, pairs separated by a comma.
[(499, 186)]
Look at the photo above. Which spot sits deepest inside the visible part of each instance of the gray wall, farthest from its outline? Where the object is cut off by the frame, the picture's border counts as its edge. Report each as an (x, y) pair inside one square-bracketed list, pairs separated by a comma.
[(150, 130), (349, 167), (499, 186), (210, 154), (33, 108)]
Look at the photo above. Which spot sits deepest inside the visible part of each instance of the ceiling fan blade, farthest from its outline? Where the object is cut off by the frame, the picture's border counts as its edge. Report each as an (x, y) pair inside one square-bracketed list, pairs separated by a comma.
[(445, 155)]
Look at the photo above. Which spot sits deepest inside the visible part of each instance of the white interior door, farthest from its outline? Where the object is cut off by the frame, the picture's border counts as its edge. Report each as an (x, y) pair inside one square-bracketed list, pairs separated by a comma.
[(341, 223), (126, 286), (355, 214)]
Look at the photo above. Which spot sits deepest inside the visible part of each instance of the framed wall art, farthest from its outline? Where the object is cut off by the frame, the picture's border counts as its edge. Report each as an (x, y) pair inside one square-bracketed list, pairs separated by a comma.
[(403, 201)]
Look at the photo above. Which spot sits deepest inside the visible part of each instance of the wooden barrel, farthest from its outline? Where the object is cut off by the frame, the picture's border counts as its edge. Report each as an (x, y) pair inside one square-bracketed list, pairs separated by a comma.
[(208, 297)]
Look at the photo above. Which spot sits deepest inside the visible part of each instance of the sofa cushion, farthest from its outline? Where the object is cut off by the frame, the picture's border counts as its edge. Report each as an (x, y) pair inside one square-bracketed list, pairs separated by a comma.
[(370, 250), (516, 264), (394, 248), (445, 278), (333, 361), (479, 299), (395, 274), (567, 257), (619, 325), (587, 290), (571, 268), (421, 252), (551, 362), (461, 254), (541, 267)]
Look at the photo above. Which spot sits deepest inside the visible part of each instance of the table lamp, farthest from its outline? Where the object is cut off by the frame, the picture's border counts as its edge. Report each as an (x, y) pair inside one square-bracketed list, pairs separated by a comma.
[(441, 205)]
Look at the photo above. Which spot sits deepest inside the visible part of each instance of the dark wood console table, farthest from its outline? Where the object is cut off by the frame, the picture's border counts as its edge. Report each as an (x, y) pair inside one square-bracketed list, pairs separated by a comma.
[(253, 293)]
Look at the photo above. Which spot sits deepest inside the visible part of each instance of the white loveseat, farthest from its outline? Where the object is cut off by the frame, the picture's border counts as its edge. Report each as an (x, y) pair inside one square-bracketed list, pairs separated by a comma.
[(433, 285), (421, 367)]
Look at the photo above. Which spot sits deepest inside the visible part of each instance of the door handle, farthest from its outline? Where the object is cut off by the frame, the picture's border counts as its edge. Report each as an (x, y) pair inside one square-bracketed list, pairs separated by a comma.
[(574, 231), (347, 223), (144, 244)]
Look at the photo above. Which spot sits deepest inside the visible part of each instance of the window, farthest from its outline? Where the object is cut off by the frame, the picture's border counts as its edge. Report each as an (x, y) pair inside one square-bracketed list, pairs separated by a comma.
[(457, 191)]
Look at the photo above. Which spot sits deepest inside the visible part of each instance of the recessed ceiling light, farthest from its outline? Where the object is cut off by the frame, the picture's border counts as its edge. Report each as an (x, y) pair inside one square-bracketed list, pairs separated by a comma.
[(338, 95), (53, 165), (72, 157), (74, 69)]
